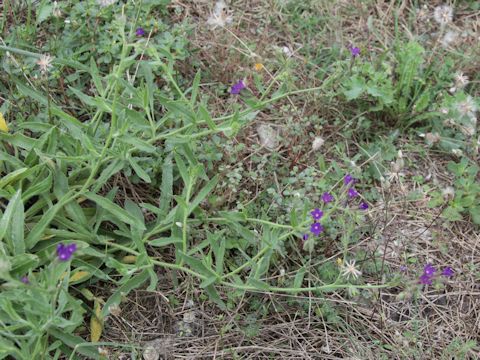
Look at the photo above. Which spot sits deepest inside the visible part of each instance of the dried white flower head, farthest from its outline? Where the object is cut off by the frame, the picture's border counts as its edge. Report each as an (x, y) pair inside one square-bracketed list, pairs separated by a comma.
[(317, 143), (449, 38), (104, 3), (114, 310), (467, 107), (220, 17), (268, 136), (45, 62), (349, 269), (287, 51), (102, 351), (461, 80), (448, 193), (432, 138), (443, 14)]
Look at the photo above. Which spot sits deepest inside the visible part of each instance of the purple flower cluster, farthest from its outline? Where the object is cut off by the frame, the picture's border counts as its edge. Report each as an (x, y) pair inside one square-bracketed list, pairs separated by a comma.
[(429, 273), (316, 228), (65, 252)]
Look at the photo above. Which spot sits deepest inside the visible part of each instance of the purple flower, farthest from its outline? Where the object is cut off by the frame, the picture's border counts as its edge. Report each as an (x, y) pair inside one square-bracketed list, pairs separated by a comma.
[(403, 268), (348, 179), (65, 252), (140, 32), (305, 237), (327, 197), (317, 214), (448, 272), (316, 228), (352, 193), (425, 279), (237, 87), (355, 51), (25, 280), (429, 270), (363, 205)]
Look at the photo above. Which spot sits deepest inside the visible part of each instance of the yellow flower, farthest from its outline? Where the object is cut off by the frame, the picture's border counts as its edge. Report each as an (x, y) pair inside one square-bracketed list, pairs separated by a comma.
[(258, 67), (3, 123), (339, 261)]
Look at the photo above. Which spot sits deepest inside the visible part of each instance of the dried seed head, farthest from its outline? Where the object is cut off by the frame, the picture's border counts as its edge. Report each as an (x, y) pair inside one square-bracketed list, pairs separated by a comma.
[(432, 138), (443, 14), (44, 63), (448, 193), (317, 143)]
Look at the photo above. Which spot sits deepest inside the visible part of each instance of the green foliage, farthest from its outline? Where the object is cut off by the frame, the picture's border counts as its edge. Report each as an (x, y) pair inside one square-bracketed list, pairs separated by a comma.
[(466, 197)]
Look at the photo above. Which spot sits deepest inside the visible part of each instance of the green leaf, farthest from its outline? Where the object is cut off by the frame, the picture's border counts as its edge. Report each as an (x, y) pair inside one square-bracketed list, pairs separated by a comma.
[(160, 242), (182, 168), (15, 208), (139, 144), (167, 186), (44, 11), (204, 115), (209, 281), (259, 285), (142, 174), (195, 87), (203, 193), (213, 295), (297, 282), (75, 342), (115, 210), (196, 265), (355, 88), (13, 176), (96, 77), (18, 223)]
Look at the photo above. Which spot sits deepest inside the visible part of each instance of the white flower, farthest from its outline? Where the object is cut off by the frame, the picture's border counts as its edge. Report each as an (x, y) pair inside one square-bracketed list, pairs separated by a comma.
[(443, 14), (317, 143), (220, 16), (45, 62), (104, 3), (448, 38), (467, 107), (461, 80), (349, 269)]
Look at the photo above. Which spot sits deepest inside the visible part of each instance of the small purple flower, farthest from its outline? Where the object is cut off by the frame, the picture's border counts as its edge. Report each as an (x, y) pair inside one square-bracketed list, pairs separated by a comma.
[(327, 197), (140, 32), (316, 228), (363, 206), (305, 237), (65, 252), (352, 193), (355, 51), (317, 214), (403, 268), (429, 270), (425, 279), (348, 179), (25, 280), (237, 87), (448, 272)]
